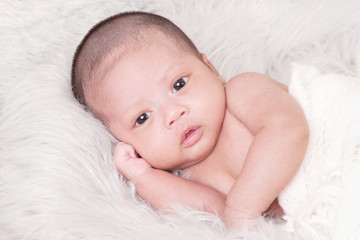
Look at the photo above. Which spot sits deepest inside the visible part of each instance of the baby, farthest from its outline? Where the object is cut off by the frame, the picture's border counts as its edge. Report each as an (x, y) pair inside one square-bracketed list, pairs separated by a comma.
[(238, 142)]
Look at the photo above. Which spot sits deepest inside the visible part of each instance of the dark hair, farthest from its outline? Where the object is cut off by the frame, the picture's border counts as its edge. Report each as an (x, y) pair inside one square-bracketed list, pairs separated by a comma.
[(114, 33)]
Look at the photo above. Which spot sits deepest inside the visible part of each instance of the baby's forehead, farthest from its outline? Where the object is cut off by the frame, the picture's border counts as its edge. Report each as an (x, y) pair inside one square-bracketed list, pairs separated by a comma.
[(138, 47), (134, 49)]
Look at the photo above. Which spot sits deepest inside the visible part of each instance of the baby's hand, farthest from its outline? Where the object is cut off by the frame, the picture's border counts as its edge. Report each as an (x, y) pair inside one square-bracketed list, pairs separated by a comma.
[(128, 163)]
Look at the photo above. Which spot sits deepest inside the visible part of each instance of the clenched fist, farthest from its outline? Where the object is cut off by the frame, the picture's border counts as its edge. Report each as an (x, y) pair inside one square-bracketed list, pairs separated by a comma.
[(128, 163)]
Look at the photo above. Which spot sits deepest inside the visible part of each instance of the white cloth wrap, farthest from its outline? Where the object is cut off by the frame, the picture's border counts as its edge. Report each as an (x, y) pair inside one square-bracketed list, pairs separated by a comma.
[(325, 193)]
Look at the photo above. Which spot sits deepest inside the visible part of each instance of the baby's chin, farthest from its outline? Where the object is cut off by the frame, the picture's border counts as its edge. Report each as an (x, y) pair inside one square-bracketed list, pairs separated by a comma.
[(192, 162), (170, 166), (188, 164)]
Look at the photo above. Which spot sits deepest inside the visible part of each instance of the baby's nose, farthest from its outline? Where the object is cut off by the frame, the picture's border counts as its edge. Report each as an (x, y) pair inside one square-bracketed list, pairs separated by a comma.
[(175, 113)]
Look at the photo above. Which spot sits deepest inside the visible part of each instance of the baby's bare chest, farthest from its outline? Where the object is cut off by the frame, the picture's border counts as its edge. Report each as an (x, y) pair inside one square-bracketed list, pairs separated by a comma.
[(221, 168)]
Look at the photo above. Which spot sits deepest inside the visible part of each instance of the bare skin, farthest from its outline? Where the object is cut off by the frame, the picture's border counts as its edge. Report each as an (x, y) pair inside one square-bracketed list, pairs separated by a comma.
[(241, 143)]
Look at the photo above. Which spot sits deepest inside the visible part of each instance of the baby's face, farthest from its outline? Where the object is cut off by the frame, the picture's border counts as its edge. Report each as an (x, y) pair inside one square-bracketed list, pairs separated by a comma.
[(167, 103)]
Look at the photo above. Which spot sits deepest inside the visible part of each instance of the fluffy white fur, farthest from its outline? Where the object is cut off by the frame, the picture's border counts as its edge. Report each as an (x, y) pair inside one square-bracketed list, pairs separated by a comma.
[(57, 178)]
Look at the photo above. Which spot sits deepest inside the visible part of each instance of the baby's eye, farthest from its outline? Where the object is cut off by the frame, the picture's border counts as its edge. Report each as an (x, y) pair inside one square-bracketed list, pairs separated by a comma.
[(179, 84), (142, 118)]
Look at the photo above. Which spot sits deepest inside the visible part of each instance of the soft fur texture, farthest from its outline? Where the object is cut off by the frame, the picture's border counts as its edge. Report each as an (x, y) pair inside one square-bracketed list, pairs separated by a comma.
[(57, 178)]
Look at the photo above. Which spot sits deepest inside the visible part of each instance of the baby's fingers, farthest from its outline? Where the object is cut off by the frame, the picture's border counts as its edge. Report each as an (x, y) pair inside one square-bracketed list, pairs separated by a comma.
[(127, 162), (123, 152)]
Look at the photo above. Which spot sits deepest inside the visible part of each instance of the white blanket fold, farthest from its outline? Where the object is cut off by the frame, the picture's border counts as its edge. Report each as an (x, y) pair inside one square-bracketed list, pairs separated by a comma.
[(325, 193)]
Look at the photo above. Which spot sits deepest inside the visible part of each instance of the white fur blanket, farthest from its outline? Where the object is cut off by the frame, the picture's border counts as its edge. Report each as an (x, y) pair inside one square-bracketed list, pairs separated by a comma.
[(57, 178)]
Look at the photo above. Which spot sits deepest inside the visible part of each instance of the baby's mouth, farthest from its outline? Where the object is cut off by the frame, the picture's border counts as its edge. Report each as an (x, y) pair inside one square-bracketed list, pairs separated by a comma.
[(191, 136)]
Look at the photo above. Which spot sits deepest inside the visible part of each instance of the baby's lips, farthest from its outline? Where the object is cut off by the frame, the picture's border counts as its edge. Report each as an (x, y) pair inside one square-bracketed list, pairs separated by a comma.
[(191, 136)]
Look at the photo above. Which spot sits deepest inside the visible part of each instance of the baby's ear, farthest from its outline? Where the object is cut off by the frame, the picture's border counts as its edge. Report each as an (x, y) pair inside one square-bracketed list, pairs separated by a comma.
[(208, 63), (211, 66)]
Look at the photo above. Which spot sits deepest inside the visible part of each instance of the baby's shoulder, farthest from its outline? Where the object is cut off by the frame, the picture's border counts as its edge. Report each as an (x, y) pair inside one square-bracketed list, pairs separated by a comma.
[(249, 85), (248, 80), (239, 88)]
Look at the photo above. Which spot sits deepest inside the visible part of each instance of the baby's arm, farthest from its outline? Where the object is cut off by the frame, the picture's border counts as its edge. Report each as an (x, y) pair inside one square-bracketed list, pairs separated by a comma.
[(280, 140), (162, 189)]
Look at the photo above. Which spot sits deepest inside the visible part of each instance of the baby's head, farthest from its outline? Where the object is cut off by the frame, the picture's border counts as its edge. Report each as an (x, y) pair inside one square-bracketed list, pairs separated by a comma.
[(148, 83), (112, 39)]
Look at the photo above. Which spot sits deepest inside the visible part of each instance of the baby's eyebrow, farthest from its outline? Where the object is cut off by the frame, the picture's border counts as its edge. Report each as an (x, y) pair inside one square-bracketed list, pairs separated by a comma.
[(170, 72), (130, 109), (165, 74)]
